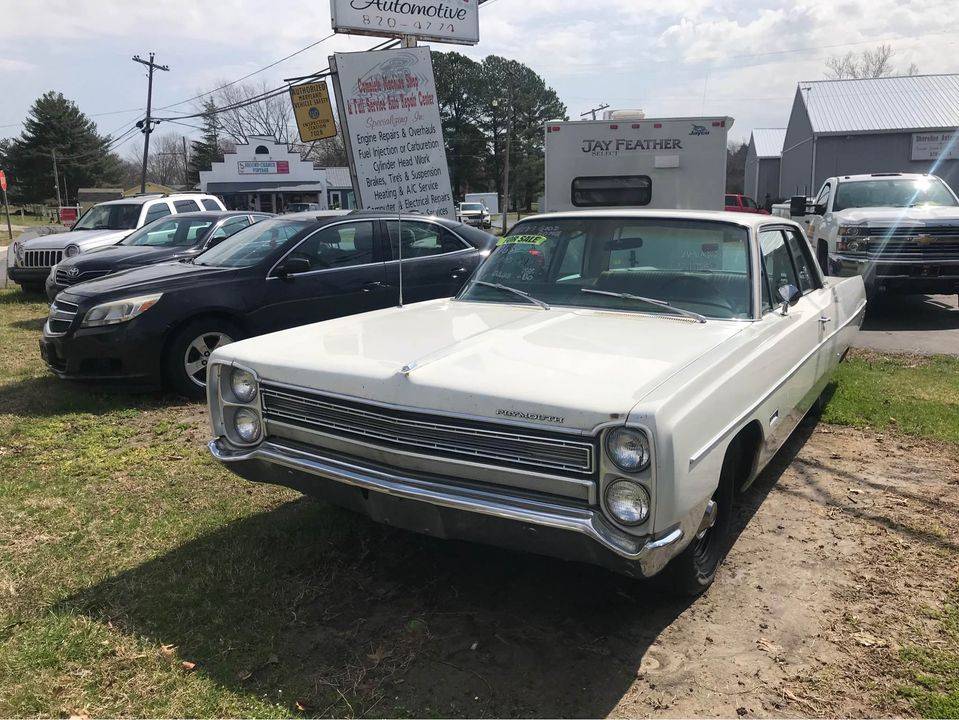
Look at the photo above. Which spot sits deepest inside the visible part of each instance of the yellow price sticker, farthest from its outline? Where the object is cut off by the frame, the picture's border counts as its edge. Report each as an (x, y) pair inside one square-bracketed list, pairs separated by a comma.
[(522, 240)]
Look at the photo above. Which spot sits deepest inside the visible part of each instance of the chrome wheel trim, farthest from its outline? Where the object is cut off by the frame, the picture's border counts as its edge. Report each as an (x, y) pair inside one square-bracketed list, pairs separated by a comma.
[(198, 352)]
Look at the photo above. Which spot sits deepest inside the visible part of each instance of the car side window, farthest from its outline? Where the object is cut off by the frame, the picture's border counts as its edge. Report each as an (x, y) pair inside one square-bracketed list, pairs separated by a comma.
[(823, 196), (210, 204), (231, 226), (156, 211), (802, 259), (423, 240), (345, 245), (777, 261), (185, 206)]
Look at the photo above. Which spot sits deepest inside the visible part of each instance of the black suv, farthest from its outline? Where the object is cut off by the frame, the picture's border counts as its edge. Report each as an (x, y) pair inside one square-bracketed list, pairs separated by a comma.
[(161, 322), (176, 236)]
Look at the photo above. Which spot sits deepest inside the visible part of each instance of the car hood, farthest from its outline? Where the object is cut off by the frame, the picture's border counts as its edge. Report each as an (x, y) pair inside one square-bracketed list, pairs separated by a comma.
[(573, 368), (163, 277), (83, 238), (472, 212), (886, 216), (121, 257)]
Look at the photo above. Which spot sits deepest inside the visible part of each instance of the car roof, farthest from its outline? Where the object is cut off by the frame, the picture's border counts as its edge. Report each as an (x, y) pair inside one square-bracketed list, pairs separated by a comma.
[(884, 176), (317, 215), (141, 199), (214, 214), (744, 219)]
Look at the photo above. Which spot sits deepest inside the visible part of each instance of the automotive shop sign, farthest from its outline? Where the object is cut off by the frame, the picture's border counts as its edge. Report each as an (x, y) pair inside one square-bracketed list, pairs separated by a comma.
[(935, 145), (448, 21), (391, 124)]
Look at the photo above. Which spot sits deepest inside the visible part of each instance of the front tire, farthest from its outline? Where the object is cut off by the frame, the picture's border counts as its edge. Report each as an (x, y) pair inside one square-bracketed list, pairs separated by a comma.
[(189, 350), (692, 571)]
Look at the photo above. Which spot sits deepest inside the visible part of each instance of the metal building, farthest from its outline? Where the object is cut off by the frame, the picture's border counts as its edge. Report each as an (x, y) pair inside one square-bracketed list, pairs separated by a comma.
[(763, 155), (895, 124)]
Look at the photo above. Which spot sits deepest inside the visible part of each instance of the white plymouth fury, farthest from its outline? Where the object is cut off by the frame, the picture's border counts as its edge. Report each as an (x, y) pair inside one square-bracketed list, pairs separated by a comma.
[(599, 391)]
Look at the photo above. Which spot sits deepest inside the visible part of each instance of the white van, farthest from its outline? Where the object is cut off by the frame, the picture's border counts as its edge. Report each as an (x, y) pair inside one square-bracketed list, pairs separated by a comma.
[(657, 163)]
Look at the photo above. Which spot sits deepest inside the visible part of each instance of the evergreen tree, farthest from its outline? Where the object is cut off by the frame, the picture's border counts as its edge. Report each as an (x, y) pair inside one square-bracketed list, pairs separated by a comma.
[(55, 123), (207, 150)]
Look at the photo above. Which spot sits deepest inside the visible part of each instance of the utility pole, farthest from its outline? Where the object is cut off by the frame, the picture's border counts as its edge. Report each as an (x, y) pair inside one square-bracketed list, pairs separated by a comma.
[(509, 139), (594, 111), (186, 163), (145, 125), (56, 178)]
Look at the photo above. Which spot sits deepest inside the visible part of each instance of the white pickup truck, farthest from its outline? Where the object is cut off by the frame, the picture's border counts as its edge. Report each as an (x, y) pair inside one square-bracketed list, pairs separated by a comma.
[(900, 231)]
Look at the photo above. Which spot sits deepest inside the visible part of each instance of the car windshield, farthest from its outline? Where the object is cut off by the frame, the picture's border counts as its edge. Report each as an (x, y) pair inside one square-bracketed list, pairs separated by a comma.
[(170, 232), (110, 217), (248, 247), (619, 263), (894, 192), (472, 207)]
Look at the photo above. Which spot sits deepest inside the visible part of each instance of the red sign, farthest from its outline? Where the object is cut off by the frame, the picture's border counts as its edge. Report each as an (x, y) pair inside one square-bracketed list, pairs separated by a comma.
[(3, 181), (282, 167), (68, 215)]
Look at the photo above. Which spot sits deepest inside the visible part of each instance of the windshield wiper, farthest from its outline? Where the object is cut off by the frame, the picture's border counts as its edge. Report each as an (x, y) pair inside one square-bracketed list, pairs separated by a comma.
[(652, 301), (514, 291)]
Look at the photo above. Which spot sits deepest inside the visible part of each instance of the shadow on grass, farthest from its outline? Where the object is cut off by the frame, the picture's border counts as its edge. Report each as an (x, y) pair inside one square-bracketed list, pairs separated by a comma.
[(33, 324), (313, 605), (47, 395), (16, 296)]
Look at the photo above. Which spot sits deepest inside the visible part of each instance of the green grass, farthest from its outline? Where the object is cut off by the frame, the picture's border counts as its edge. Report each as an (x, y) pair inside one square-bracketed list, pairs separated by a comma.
[(125, 552), (933, 687), (27, 221), (913, 395)]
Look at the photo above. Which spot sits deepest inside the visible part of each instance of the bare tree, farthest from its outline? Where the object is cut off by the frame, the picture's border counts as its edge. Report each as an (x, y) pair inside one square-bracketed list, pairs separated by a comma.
[(165, 165), (326, 153), (272, 116), (874, 63)]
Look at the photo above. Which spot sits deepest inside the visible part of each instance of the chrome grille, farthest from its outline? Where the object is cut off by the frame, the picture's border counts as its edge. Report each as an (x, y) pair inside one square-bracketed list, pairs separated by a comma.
[(448, 438), (64, 278), (913, 241), (41, 258), (62, 315)]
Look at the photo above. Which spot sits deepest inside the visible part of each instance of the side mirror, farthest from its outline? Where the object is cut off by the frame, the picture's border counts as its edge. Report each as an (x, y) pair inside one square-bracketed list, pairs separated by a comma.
[(797, 206), (790, 295), (293, 266)]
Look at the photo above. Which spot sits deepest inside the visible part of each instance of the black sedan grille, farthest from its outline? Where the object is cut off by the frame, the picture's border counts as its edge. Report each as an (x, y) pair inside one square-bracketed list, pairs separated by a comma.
[(63, 277), (62, 315), (442, 437)]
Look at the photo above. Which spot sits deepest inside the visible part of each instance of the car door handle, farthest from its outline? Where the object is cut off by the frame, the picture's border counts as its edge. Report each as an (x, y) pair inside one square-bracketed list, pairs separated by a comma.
[(458, 272), (374, 285), (825, 319)]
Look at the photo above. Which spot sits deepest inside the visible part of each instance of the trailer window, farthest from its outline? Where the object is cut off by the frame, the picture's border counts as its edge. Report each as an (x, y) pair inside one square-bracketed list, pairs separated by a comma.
[(624, 190)]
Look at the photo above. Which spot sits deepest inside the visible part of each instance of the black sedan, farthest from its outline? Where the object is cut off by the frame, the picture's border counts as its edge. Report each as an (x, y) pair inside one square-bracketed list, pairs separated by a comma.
[(169, 238), (161, 322)]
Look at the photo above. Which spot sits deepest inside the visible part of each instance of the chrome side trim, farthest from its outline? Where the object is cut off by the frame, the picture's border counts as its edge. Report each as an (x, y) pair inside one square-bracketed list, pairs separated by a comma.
[(701, 453), (651, 552)]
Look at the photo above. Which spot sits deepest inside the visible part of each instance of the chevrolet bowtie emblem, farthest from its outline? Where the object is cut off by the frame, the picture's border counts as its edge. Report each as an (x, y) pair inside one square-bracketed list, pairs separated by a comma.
[(923, 239)]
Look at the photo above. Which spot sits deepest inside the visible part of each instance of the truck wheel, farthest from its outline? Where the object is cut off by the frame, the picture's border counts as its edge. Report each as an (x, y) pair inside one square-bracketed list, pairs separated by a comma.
[(693, 571), (189, 350)]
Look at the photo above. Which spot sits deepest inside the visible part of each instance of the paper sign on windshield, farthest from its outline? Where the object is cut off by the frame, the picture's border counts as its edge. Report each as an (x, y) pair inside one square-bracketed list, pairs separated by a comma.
[(522, 240)]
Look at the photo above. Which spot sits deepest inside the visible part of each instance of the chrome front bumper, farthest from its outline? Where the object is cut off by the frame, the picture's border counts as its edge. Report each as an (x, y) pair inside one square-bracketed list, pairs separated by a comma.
[(649, 554)]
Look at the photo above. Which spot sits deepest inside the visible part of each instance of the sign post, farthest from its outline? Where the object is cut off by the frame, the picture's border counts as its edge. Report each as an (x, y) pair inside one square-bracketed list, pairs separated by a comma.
[(313, 111), (446, 21), (392, 131), (6, 207)]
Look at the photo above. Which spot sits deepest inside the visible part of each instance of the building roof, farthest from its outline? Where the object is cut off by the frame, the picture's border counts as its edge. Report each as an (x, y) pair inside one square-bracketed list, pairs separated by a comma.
[(769, 142), (915, 102), (338, 178)]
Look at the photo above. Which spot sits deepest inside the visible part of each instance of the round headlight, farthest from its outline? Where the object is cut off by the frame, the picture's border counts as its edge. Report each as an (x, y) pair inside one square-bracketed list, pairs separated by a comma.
[(71, 250), (628, 449), (243, 385), (627, 502), (18, 250), (247, 425)]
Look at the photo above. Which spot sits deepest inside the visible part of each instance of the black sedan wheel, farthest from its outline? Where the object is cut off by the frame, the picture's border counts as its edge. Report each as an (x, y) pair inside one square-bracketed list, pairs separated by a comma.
[(189, 354)]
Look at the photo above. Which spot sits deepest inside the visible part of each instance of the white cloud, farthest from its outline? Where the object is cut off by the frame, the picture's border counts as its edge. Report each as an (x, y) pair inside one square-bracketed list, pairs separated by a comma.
[(12, 65)]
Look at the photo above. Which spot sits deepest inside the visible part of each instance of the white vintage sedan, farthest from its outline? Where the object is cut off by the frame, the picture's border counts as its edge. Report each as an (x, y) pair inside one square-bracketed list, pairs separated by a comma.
[(599, 391)]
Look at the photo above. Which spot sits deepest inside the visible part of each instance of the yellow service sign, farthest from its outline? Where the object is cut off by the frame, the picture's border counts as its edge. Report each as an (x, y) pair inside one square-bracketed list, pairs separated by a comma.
[(313, 111)]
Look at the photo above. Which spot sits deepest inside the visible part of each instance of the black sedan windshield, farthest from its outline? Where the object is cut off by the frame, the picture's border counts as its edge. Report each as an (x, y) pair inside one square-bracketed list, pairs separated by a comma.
[(123, 216), (619, 263), (170, 232), (251, 245)]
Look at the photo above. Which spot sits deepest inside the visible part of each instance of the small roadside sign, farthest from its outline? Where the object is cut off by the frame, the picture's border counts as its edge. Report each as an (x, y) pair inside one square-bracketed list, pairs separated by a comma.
[(313, 111), (3, 181), (445, 21), (6, 207)]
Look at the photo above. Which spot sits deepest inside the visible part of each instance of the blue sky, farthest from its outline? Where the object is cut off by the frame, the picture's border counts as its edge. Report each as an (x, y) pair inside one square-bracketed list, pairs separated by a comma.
[(681, 57)]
